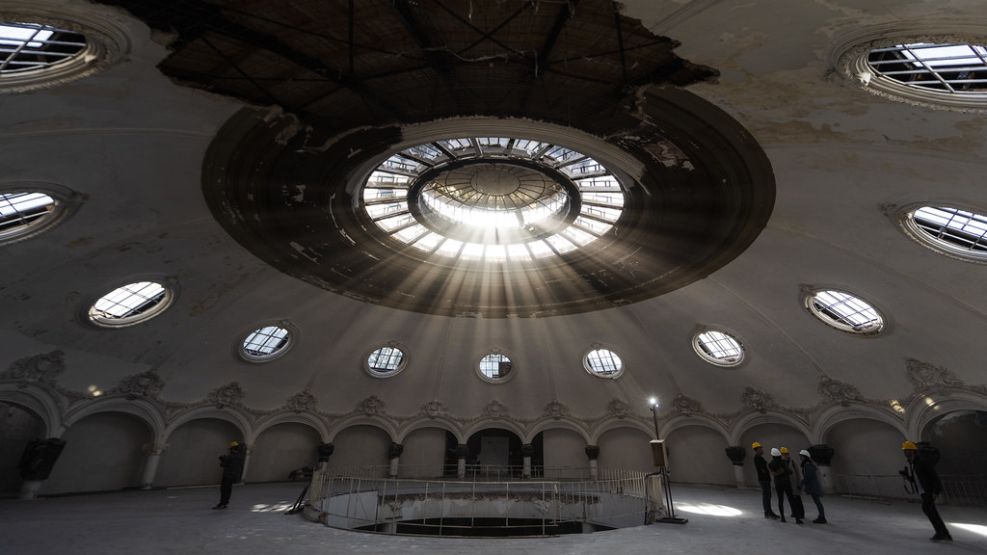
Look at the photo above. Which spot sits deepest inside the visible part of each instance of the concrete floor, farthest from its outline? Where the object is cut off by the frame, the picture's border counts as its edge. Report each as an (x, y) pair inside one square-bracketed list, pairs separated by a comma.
[(179, 521)]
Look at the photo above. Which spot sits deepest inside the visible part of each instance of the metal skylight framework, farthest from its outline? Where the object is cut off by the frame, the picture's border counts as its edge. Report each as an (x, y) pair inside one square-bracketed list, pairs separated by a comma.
[(266, 342), (949, 68), (495, 366), (21, 212), (845, 311), (30, 47), (535, 201), (385, 360), (950, 230), (718, 348), (130, 304), (604, 363)]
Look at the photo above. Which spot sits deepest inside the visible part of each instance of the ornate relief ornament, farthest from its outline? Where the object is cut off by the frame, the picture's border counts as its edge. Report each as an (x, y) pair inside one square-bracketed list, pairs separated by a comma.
[(302, 401), (370, 405), (929, 376), (835, 390), (618, 408), (555, 410), (43, 368), (686, 405), (495, 409), (229, 395), (432, 409), (146, 384), (757, 399)]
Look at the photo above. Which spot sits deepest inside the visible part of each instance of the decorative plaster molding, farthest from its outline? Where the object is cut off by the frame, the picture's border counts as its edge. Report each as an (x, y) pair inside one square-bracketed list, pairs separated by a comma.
[(618, 408), (496, 409), (146, 384), (39, 369), (757, 400), (371, 405), (303, 401), (686, 405), (432, 409), (229, 395), (555, 410), (837, 391), (924, 375)]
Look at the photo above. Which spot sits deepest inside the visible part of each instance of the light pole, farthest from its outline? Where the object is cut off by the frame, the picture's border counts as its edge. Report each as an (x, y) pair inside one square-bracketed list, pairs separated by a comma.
[(663, 470)]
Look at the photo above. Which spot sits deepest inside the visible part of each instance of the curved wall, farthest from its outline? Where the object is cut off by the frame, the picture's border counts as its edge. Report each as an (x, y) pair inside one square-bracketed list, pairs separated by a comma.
[(279, 450), (961, 438), (697, 456), (865, 449), (360, 446), (192, 455), (625, 448), (424, 454), (103, 452), (18, 426)]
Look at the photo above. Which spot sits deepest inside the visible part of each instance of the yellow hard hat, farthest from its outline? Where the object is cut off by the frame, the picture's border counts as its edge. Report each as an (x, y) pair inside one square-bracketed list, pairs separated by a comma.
[(909, 446), (234, 443), (784, 450), (755, 445)]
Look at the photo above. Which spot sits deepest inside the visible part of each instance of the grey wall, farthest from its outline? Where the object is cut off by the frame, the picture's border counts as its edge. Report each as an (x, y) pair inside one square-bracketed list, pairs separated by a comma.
[(961, 438), (866, 459), (564, 448), (105, 451), (191, 457), (696, 456), (360, 446), (280, 449), (626, 448), (424, 453), (770, 435), (18, 426)]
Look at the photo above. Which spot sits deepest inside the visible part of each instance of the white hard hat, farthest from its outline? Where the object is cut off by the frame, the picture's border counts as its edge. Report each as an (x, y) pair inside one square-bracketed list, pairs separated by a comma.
[(805, 452), (775, 452)]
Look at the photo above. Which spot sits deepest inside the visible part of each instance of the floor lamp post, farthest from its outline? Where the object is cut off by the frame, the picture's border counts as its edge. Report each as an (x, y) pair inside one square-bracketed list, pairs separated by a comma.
[(663, 471)]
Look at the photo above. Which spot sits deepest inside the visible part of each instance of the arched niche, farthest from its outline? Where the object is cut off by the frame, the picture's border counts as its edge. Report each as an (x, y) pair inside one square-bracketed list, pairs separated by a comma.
[(105, 451), (18, 426), (280, 449), (424, 453), (865, 450), (360, 449), (494, 447), (697, 456), (961, 438), (565, 453), (625, 448), (770, 435), (192, 453)]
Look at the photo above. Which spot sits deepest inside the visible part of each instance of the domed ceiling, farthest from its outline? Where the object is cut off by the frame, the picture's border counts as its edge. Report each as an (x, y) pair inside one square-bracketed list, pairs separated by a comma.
[(255, 157)]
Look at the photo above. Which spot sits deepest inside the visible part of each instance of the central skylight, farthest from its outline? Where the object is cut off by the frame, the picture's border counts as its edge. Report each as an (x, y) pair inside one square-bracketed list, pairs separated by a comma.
[(493, 199), (30, 46)]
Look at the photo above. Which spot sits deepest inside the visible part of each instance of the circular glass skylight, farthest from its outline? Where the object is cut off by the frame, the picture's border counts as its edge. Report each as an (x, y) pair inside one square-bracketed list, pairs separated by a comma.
[(844, 311), (130, 304), (27, 47), (718, 348), (385, 361), (495, 367), (23, 213), (953, 68), (949, 230), (265, 343), (603, 363), (499, 200)]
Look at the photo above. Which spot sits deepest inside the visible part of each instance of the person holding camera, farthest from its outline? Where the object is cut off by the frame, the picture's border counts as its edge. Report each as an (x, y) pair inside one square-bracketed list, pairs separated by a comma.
[(921, 474), (232, 469)]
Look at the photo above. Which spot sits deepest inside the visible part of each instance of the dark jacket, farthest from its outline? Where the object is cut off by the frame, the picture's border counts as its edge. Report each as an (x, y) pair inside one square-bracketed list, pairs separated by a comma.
[(924, 472), (761, 466), (783, 472), (232, 465), (810, 478)]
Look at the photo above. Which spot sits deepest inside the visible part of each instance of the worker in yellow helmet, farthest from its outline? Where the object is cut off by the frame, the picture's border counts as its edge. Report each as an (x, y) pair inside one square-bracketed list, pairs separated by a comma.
[(763, 479), (232, 469), (921, 474), (786, 481)]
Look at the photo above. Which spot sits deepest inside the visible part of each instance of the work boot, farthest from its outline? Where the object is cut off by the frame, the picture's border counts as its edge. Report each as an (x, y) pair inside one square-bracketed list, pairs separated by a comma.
[(771, 516), (798, 521), (942, 538), (783, 519), (820, 520)]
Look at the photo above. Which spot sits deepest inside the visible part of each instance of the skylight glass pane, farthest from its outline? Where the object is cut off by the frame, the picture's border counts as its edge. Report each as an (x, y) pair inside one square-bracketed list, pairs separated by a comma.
[(385, 359), (608, 214), (495, 366), (561, 245), (394, 222), (451, 247), (539, 249), (384, 194), (578, 236), (378, 210), (607, 199), (384, 178), (528, 146), (129, 300), (595, 226), (496, 253), (457, 144), (960, 231), (603, 362), (719, 346), (472, 251), (428, 242), (425, 152), (603, 181), (30, 46), (947, 68), (265, 341), (518, 252), (846, 309), (411, 233), (21, 209)]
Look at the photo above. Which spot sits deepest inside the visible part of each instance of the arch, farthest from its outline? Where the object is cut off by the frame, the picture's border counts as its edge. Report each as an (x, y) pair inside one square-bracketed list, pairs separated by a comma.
[(278, 450), (193, 444), (233, 416), (303, 418), (923, 409), (625, 446), (19, 426), (697, 454), (362, 420), (614, 423), (555, 424), (430, 422), (139, 408), (742, 426), (684, 421), (836, 414), (498, 424), (38, 401)]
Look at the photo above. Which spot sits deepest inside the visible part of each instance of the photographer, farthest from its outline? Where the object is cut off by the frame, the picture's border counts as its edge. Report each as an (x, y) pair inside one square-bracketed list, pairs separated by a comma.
[(232, 469), (921, 474)]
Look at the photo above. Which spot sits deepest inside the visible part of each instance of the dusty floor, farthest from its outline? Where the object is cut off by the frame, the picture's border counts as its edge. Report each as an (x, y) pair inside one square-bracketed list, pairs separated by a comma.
[(180, 522)]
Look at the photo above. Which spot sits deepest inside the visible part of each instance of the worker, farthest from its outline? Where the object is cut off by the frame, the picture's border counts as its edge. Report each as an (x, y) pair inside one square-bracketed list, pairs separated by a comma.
[(812, 485), (783, 471), (764, 479), (232, 465), (921, 473)]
